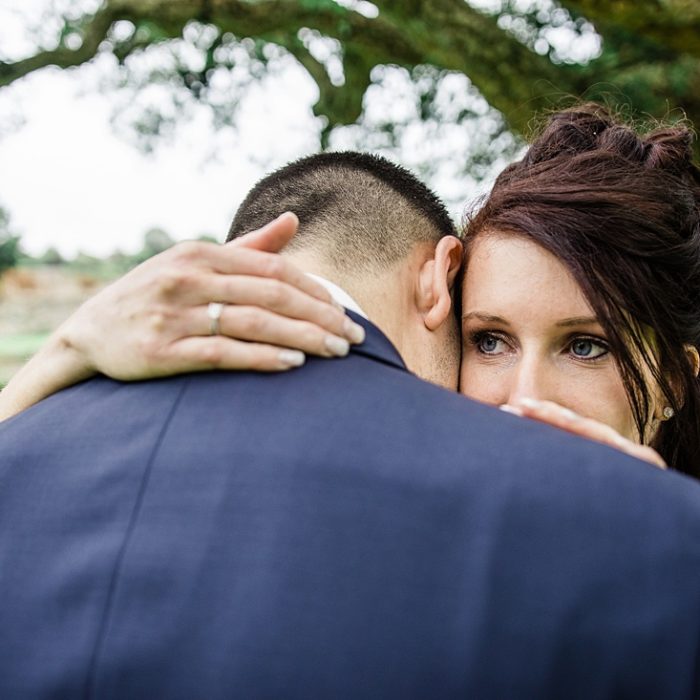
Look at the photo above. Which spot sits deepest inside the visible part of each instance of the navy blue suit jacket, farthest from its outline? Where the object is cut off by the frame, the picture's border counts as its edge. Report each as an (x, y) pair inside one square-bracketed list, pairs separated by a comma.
[(342, 531)]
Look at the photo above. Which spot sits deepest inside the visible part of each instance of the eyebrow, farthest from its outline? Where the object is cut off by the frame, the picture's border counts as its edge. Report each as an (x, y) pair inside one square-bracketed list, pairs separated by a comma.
[(578, 321), (486, 318), (566, 323)]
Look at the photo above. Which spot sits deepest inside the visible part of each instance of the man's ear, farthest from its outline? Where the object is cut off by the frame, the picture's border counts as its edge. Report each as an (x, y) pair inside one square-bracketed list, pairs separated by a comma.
[(437, 277)]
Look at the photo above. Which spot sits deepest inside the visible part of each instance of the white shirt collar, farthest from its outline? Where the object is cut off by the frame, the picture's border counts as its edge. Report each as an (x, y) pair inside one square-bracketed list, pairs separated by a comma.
[(339, 295)]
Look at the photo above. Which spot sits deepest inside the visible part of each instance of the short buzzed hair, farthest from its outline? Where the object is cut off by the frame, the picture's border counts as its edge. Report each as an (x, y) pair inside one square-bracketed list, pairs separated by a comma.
[(360, 211)]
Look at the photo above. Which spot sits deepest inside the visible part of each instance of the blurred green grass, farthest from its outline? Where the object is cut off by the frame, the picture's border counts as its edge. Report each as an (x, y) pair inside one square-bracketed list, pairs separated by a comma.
[(15, 350), (21, 344)]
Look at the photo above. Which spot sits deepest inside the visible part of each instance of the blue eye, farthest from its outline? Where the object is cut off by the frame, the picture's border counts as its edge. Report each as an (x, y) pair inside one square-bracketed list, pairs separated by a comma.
[(488, 343), (587, 349)]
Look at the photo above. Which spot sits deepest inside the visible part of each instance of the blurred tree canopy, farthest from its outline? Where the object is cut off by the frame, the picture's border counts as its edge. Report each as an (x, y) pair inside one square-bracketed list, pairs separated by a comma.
[(9, 243), (645, 55), (155, 241)]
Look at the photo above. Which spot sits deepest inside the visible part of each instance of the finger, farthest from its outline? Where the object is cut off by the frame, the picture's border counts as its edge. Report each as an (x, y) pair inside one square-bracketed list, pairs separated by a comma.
[(255, 324), (258, 325), (557, 415), (184, 261), (281, 298), (566, 419), (243, 261), (647, 454), (196, 354), (271, 237)]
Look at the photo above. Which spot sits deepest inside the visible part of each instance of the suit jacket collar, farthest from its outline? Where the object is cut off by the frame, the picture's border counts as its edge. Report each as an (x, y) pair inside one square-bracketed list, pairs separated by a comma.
[(376, 344)]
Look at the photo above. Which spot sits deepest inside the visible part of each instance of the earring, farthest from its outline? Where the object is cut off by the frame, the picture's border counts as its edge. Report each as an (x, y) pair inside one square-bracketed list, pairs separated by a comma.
[(668, 412)]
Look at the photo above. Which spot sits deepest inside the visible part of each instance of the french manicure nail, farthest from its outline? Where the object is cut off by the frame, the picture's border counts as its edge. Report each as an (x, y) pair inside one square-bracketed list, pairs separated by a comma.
[(354, 331), (507, 408), (337, 346), (568, 413), (292, 358), (529, 403)]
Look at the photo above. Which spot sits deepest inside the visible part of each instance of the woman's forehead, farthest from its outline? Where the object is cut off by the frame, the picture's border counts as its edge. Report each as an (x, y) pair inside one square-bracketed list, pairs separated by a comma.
[(517, 276)]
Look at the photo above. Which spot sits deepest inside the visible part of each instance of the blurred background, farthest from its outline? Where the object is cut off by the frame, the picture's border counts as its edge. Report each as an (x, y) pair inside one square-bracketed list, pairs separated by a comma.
[(126, 125)]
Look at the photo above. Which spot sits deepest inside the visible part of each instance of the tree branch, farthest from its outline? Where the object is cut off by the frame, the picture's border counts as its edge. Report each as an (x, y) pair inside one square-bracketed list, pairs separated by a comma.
[(95, 32), (448, 34)]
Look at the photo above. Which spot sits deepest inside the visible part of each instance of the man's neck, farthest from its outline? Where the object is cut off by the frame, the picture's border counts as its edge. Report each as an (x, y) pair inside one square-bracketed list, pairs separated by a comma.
[(388, 299), (378, 299), (338, 294)]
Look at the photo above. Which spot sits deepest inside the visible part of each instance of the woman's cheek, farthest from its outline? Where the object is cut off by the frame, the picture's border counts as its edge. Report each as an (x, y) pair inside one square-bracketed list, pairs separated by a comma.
[(601, 395), (593, 393), (483, 383)]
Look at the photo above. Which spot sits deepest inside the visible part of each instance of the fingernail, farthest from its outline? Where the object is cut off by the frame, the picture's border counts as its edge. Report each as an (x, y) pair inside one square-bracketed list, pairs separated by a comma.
[(507, 408), (337, 346), (292, 358), (529, 403), (286, 213), (338, 306), (354, 331), (568, 413)]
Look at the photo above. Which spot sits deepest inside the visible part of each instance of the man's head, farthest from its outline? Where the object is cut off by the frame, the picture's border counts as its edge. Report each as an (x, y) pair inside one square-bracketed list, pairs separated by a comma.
[(374, 229)]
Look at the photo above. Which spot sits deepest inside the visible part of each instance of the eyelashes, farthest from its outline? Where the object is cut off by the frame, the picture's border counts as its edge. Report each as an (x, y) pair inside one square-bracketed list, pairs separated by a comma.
[(486, 342), (588, 348), (584, 348)]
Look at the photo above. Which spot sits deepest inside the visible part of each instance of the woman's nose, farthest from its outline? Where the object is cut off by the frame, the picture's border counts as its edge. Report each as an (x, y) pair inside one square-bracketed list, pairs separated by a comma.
[(528, 380)]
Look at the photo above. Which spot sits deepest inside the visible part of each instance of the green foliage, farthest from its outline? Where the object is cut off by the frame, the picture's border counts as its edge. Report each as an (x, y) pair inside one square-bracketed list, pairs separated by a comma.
[(9, 252), (521, 56), (51, 257), (155, 241), (15, 349), (101, 268), (21, 345), (9, 243)]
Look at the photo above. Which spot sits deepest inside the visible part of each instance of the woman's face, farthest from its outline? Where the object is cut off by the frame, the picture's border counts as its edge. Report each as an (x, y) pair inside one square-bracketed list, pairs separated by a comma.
[(528, 331)]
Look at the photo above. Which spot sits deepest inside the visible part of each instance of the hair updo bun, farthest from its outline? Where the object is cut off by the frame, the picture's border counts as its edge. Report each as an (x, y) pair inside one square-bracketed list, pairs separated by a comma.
[(621, 210), (590, 127), (670, 149)]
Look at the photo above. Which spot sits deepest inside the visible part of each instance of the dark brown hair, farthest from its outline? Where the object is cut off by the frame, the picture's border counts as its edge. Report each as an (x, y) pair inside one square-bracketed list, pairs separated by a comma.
[(621, 211)]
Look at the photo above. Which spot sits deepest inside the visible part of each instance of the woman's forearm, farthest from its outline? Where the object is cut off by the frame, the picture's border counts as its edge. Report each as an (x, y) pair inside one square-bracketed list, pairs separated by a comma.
[(155, 322), (55, 366)]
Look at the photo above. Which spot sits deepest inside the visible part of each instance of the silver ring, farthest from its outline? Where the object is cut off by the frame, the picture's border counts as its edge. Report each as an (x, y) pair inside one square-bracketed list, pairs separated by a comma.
[(214, 312)]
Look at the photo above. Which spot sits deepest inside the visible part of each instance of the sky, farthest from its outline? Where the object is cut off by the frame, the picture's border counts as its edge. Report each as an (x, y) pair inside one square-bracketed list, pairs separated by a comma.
[(70, 181)]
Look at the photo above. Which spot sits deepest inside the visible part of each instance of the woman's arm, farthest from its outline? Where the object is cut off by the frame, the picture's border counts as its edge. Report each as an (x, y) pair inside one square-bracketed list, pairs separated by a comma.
[(154, 321), (55, 366)]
